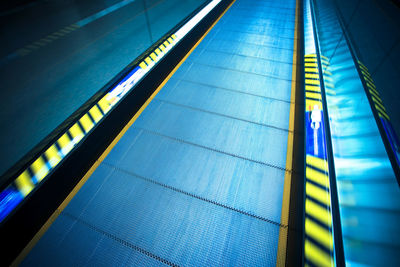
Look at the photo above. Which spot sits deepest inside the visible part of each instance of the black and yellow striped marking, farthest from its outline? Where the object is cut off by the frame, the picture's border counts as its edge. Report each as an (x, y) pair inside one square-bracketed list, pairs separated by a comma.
[(42, 166), (26, 50), (312, 83), (318, 244), (159, 52), (374, 94)]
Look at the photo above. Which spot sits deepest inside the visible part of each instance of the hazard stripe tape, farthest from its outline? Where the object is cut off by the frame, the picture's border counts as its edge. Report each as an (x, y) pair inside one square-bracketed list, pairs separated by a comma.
[(27, 49), (373, 92), (30, 178), (318, 224), (380, 109)]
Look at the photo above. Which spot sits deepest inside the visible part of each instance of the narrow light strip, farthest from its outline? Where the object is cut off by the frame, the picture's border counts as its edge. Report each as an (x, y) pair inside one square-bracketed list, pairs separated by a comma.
[(31, 177)]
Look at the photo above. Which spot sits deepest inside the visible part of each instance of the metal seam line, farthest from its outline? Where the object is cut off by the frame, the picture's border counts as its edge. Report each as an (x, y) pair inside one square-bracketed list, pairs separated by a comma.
[(54, 216), (283, 232), (15, 193)]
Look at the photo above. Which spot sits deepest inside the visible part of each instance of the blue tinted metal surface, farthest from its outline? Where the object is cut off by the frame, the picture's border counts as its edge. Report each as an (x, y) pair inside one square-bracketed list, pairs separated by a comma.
[(63, 53), (198, 179), (369, 195)]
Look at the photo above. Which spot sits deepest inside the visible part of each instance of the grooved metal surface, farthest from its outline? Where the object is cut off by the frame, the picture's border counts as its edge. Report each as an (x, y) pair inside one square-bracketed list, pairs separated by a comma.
[(198, 179)]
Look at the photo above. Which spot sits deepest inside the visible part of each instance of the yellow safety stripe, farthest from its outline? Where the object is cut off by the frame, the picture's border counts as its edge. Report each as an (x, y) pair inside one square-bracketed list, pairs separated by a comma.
[(86, 123), (317, 255), (313, 95), (319, 213), (311, 103), (54, 154), (319, 233), (24, 183), (318, 199), (317, 162), (317, 177), (313, 88), (39, 168)]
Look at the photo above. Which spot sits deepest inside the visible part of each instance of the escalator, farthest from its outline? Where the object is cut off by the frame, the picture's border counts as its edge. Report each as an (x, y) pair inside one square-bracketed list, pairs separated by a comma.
[(252, 133), (202, 176)]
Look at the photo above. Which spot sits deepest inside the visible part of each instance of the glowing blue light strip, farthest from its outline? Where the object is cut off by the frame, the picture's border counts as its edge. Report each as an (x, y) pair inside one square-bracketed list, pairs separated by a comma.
[(31, 177)]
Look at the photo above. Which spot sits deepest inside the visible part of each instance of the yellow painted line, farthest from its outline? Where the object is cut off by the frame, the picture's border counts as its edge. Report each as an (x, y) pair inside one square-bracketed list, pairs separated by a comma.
[(327, 72), (324, 57), (325, 62), (157, 51), (317, 193), (104, 104), (148, 60), (383, 116), (373, 89), (174, 36), (96, 113), (162, 47), (170, 40), (329, 85), (313, 82), (329, 79), (362, 66), (311, 55), (317, 177), (76, 133), (311, 65), (382, 112), (24, 183), (319, 213), (52, 155), (59, 34), (368, 79), (65, 143), (283, 232), (310, 59), (366, 74), (378, 101), (313, 95), (166, 44), (153, 56), (317, 162), (371, 84), (70, 28), (317, 255), (54, 216), (86, 122), (143, 65), (330, 92), (320, 234), (311, 103), (40, 168), (374, 93), (311, 75), (314, 70), (313, 88)]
